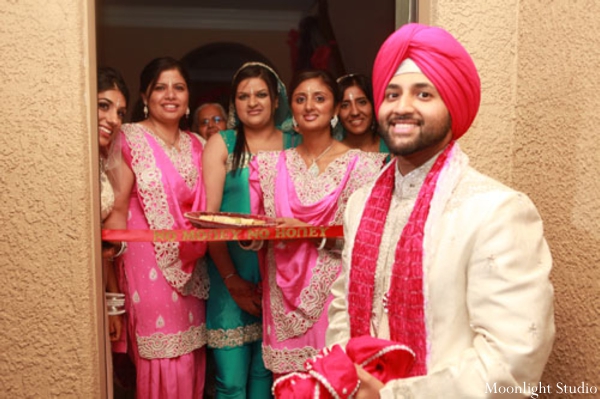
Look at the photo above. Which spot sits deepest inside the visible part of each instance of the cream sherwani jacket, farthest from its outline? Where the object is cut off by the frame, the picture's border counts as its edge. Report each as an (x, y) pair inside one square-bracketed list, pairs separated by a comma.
[(488, 298)]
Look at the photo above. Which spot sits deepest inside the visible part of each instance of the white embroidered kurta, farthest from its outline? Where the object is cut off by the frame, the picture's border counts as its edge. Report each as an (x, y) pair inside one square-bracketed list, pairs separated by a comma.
[(488, 298)]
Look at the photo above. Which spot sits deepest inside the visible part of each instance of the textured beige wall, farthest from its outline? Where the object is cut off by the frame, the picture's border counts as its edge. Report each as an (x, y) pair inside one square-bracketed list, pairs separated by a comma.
[(537, 131), (48, 324), (488, 30), (558, 125)]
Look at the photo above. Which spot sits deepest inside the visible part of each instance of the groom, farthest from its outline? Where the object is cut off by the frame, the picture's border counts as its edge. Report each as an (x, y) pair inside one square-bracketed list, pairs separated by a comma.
[(439, 257)]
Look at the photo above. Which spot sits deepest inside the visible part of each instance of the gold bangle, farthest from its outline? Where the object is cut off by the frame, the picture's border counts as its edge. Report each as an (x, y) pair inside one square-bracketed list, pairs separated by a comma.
[(322, 243), (122, 249)]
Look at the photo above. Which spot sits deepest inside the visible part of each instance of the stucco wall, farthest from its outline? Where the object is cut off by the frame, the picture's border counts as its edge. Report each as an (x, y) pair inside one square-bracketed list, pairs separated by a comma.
[(537, 131), (558, 124), (48, 323)]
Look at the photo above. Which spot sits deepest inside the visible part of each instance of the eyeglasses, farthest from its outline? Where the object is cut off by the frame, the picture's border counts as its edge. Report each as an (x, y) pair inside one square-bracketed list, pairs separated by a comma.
[(215, 119)]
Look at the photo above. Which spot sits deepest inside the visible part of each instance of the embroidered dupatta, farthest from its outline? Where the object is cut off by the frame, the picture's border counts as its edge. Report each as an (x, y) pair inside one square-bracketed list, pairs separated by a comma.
[(302, 277), (166, 192)]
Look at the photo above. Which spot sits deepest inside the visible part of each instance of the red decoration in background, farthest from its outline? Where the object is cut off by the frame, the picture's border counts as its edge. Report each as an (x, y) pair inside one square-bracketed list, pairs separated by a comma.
[(313, 44), (321, 56)]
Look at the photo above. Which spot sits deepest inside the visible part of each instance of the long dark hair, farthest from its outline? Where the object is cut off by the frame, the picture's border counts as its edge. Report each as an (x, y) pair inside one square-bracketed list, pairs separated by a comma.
[(364, 83), (109, 79), (250, 71), (149, 77)]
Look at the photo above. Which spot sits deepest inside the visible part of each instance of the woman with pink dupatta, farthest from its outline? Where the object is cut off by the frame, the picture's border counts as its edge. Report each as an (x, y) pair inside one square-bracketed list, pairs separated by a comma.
[(159, 180), (306, 185)]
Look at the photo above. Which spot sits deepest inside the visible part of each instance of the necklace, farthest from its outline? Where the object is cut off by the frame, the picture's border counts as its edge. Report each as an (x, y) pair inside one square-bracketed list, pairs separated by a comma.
[(158, 133), (314, 168)]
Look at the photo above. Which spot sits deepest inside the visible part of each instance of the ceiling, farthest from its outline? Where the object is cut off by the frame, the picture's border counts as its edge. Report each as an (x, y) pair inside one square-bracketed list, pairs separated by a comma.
[(269, 15), (284, 5)]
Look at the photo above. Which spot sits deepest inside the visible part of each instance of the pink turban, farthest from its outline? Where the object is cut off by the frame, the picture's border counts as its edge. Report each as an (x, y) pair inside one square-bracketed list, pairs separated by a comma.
[(442, 59)]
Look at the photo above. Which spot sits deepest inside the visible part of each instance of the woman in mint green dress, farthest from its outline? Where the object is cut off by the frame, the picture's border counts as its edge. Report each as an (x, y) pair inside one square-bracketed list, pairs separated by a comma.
[(258, 120), (357, 115)]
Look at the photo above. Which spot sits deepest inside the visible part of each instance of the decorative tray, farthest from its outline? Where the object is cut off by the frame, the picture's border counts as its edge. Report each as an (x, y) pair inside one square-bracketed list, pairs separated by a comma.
[(224, 220)]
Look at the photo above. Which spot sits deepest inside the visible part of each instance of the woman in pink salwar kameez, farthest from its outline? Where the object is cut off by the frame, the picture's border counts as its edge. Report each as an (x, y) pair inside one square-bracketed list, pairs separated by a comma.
[(307, 185), (159, 180)]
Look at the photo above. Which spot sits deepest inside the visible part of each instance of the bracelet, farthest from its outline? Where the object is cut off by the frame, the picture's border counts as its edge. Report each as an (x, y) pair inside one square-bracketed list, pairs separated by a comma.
[(229, 276), (322, 243), (114, 295), (254, 245), (244, 246), (115, 303), (121, 250), (114, 311)]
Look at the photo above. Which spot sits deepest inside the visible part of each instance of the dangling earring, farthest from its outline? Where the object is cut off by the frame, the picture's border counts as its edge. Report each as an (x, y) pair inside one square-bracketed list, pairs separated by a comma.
[(294, 123), (145, 111), (187, 113), (334, 121)]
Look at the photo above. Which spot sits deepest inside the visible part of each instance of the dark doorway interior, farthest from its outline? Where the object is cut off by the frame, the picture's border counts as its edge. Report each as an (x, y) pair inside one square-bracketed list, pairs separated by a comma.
[(211, 68)]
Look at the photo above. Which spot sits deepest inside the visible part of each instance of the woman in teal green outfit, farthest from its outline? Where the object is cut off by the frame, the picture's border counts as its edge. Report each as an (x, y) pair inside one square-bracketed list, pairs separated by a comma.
[(258, 121), (357, 115)]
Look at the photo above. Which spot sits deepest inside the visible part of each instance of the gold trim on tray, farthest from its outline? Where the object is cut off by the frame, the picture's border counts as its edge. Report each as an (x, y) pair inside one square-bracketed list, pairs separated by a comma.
[(216, 220)]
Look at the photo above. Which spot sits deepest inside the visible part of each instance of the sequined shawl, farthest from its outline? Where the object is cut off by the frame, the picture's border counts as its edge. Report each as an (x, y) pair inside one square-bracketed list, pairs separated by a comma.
[(169, 186)]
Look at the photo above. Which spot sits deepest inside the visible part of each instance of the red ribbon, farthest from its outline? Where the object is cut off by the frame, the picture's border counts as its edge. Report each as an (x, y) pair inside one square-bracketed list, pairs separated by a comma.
[(256, 233)]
